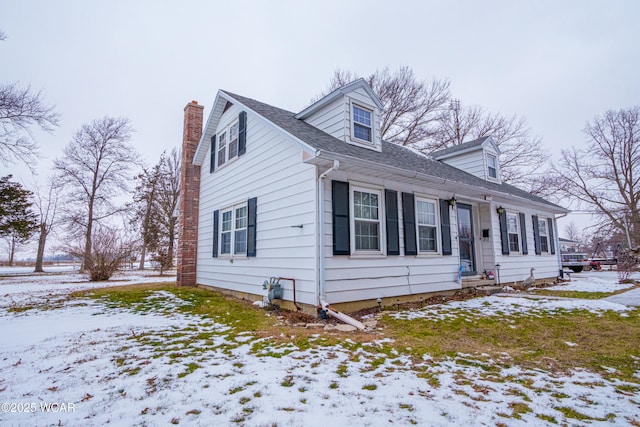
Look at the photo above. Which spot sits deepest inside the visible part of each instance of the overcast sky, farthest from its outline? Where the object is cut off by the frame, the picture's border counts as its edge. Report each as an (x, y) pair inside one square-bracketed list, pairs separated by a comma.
[(557, 63)]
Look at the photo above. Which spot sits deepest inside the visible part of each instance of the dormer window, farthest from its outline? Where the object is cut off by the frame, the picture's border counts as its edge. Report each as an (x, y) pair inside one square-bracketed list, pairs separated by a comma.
[(492, 166), (228, 144), (362, 124)]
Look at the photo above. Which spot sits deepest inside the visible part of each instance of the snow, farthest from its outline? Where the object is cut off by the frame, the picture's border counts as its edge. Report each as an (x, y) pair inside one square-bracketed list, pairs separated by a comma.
[(120, 367), (601, 281)]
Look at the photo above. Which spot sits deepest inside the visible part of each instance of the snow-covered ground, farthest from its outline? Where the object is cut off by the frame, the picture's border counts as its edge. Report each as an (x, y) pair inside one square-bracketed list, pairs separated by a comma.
[(91, 363), (597, 281)]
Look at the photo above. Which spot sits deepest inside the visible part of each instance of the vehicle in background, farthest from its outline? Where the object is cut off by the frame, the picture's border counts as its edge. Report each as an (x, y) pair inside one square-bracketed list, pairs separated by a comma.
[(575, 261)]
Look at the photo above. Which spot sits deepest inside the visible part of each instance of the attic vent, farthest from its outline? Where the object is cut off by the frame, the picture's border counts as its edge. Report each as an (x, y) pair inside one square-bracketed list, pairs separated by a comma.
[(227, 105)]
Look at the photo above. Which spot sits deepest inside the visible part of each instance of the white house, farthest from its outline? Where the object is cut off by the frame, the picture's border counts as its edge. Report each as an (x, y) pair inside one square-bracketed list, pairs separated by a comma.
[(318, 197)]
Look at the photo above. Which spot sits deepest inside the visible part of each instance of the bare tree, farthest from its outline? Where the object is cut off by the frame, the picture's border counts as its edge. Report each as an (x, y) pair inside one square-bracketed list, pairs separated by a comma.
[(20, 110), (168, 201), (421, 114), (155, 198), (572, 232), (109, 250), (523, 157), (95, 171), (412, 107), (46, 204), (146, 208), (604, 177)]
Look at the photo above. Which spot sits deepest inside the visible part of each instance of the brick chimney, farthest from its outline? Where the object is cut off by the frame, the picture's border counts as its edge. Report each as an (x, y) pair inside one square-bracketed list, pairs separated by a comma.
[(189, 196)]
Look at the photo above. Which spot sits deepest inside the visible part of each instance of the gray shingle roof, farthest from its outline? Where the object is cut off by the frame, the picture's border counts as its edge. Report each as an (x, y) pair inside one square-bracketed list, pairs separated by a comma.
[(460, 147), (391, 155)]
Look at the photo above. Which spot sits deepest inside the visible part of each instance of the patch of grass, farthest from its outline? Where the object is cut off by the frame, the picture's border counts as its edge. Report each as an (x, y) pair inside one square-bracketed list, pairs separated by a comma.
[(537, 340), (342, 370), (370, 387), (203, 302), (574, 294), (236, 390), (547, 418), (333, 385), (20, 309), (572, 413), (582, 294), (518, 409), (287, 381), (191, 367)]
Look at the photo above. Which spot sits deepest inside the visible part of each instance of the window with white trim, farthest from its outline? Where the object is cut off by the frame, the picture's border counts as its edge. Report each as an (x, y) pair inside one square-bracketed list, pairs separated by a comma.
[(233, 230), (227, 144), (362, 123), (427, 225), (222, 148), (492, 166), (544, 235), (513, 230), (367, 221)]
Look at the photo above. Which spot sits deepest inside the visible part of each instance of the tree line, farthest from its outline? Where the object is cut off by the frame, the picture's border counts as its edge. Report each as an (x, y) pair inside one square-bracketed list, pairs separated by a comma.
[(83, 197)]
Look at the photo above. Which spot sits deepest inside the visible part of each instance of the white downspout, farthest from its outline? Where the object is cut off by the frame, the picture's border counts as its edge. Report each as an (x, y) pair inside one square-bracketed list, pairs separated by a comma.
[(320, 252), (320, 231)]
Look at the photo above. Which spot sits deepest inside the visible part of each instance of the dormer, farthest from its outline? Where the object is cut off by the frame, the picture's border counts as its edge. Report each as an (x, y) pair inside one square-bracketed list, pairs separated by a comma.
[(350, 113), (478, 157)]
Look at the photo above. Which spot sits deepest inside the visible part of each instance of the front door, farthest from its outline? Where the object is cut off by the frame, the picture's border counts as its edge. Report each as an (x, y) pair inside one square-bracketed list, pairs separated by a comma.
[(465, 240)]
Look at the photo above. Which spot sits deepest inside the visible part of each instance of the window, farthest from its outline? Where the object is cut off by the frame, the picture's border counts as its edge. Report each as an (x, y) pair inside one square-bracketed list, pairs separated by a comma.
[(362, 128), (544, 236), (228, 144), (366, 221), (427, 225), (512, 230), (233, 141), (492, 166), (222, 148), (233, 231)]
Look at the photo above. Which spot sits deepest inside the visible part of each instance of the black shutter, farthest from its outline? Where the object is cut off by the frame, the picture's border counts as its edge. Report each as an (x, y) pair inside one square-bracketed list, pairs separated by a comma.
[(536, 234), (409, 224), (393, 234), (215, 234), (552, 240), (242, 133), (523, 234), (212, 166), (340, 207), (251, 226), (445, 227), (504, 234)]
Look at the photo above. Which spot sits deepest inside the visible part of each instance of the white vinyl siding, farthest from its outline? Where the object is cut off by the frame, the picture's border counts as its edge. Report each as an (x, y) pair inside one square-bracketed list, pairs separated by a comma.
[(517, 268), (336, 119), (272, 171), (362, 276)]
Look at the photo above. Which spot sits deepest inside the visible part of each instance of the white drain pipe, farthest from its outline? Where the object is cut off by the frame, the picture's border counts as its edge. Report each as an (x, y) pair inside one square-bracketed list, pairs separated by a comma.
[(341, 316), (320, 230), (321, 261)]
